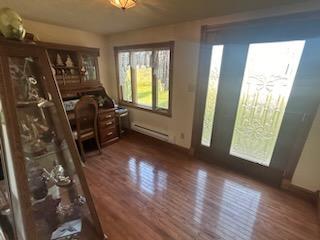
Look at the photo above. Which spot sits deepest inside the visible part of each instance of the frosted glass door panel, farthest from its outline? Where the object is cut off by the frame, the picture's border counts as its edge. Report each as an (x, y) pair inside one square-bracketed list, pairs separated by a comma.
[(268, 78), (212, 91)]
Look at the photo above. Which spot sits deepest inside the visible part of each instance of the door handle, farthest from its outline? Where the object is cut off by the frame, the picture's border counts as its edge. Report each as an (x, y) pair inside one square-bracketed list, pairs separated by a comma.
[(304, 117)]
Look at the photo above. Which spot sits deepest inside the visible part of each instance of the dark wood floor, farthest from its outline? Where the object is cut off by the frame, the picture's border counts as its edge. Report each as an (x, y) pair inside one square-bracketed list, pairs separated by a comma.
[(145, 189)]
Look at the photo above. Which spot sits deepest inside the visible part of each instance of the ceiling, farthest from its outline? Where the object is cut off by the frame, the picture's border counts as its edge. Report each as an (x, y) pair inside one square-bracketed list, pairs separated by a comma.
[(101, 17)]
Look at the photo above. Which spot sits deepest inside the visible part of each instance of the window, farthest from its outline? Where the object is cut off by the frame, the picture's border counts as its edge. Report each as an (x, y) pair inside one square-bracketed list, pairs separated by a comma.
[(144, 76), (212, 92)]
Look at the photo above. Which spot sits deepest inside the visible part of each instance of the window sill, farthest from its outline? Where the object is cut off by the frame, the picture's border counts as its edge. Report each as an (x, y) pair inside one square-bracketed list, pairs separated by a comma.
[(162, 112)]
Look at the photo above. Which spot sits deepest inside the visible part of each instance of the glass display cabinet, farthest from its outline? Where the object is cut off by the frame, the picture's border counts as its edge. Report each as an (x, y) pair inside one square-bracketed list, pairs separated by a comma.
[(45, 193), (74, 67), (89, 66)]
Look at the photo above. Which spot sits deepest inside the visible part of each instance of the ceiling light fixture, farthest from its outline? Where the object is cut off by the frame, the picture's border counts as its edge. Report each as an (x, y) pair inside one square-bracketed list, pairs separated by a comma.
[(124, 4)]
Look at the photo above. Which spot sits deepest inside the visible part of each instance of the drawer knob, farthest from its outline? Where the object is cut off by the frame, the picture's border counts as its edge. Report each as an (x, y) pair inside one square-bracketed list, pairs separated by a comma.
[(109, 123)]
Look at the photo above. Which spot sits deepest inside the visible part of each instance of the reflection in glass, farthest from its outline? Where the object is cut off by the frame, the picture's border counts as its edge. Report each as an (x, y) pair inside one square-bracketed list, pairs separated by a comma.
[(56, 195), (89, 68), (214, 75), (269, 75)]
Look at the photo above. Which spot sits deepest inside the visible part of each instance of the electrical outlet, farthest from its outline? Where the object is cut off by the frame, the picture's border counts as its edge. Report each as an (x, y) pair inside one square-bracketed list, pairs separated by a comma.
[(191, 87), (182, 135)]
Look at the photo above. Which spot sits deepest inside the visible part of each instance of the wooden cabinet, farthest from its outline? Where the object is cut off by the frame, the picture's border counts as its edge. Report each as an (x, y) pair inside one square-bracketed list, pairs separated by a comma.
[(108, 132), (75, 68), (82, 78), (47, 190), (89, 67)]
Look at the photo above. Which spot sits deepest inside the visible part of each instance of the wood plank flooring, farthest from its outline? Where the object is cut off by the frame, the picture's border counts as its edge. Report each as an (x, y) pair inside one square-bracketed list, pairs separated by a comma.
[(147, 190)]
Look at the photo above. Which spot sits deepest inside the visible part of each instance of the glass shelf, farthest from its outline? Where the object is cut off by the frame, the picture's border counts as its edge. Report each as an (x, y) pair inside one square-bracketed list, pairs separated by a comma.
[(65, 67)]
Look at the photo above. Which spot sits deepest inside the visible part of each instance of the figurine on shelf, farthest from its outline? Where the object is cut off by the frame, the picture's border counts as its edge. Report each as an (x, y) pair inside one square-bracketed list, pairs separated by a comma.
[(33, 93), (30, 132), (84, 71), (31, 83), (71, 210), (57, 176), (26, 82), (37, 183), (59, 60), (69, 62)]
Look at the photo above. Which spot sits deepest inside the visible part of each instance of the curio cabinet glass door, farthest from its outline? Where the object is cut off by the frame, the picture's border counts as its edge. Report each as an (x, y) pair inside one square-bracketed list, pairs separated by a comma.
[(46, 189), (89, 64)]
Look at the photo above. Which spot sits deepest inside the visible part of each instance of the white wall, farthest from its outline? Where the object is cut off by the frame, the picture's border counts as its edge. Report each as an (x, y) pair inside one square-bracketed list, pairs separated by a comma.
[(307, 174)]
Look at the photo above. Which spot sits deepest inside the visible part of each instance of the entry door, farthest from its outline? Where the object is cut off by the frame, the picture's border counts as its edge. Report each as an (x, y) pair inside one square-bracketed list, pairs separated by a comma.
[(259, 100)]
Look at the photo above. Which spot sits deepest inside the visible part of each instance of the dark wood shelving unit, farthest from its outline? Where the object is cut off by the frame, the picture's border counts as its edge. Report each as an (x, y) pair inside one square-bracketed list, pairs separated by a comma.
[(73, 86), (74, 79)]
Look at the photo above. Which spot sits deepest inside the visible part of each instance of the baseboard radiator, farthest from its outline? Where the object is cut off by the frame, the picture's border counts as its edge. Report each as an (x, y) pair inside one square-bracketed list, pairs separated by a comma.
[(147, 130)]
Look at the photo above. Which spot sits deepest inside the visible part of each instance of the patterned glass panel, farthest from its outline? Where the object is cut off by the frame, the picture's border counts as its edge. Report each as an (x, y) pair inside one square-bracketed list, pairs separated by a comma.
[(269, 75), (212, 91)]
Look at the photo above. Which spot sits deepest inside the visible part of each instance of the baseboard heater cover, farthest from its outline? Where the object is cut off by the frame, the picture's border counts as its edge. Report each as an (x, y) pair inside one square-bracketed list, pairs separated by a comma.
[(149, 131)]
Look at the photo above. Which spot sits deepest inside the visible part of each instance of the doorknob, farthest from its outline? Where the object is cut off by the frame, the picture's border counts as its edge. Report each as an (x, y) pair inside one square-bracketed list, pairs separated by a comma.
[(304, 117)]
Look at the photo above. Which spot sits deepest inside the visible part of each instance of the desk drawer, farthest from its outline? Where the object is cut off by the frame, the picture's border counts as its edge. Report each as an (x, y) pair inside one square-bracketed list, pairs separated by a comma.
[(110, 123), (107, 134), (103, 116)]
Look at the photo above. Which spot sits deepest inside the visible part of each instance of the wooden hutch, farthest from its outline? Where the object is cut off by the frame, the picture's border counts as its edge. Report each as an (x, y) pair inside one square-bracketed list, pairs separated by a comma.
[(76, 70)]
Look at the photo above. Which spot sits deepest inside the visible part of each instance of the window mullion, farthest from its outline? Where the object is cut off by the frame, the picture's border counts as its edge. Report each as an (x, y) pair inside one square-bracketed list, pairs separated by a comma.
[(133, 80), (154, 84)]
